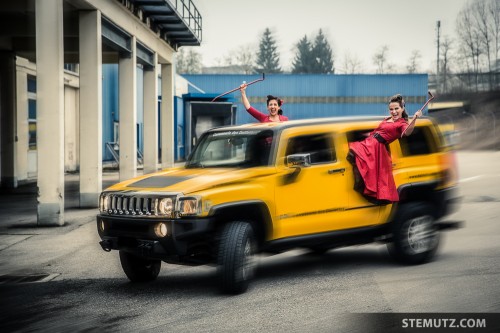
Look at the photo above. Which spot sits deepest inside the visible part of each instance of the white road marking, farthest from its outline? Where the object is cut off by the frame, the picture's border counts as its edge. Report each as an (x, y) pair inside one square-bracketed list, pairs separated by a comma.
[(470, 179)]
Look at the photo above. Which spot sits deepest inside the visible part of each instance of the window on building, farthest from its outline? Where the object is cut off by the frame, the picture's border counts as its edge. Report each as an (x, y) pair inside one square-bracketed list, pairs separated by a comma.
[(32, 113)]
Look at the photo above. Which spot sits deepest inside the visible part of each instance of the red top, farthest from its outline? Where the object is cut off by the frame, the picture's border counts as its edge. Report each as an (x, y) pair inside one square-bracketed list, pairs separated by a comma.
[(391, 131), (263, 118), (374, 163)]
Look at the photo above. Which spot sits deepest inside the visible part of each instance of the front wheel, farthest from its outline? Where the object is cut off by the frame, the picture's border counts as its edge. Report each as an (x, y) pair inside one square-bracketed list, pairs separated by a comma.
[(139, 269), (236, 262), (415, 235)]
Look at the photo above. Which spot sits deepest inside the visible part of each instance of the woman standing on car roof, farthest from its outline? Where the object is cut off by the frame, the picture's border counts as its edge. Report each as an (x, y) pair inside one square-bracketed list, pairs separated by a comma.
[(273, 106), (371, 158)]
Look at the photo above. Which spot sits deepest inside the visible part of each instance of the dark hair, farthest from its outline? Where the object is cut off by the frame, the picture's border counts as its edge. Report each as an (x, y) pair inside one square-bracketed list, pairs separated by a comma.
[(279, 100), (398, 98)]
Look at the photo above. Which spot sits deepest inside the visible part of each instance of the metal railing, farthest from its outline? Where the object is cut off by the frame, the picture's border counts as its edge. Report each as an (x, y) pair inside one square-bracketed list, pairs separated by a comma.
[(189, 14), (114, 149)]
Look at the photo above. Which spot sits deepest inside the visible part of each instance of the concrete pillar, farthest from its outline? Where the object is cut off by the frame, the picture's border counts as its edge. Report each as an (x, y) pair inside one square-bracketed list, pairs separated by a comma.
[(8, 127), (50, 111), (22, 143), (167, 115), (90, 108), (151, 118), (127, 83)]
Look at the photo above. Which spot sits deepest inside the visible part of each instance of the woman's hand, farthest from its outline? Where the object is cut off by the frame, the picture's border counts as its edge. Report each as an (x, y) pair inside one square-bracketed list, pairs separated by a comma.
[(244, 98), (418, 114)]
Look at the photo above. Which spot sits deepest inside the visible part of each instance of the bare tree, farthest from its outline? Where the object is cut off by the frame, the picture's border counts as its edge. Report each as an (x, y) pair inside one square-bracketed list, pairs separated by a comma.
[(380, 59), (239, 60), (188, 62), (481, 20), (351, 64), (245, 58), (446, 47), (413, 63), (470, 38), (494, 12)]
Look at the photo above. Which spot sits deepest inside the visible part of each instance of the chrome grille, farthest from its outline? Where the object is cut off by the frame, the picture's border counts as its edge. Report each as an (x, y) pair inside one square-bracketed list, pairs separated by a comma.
[(120, 204)]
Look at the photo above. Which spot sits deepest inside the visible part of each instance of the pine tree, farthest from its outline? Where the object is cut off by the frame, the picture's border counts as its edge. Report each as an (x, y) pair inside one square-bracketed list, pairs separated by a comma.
[(302, 63), (268, 58), (322, 54)]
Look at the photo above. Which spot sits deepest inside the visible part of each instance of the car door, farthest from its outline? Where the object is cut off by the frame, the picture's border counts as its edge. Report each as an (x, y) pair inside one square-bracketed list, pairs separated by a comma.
[(310, 199)]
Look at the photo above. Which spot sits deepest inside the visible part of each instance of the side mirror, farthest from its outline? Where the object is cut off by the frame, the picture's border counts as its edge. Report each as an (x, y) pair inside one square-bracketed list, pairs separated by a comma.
[(298, 160)]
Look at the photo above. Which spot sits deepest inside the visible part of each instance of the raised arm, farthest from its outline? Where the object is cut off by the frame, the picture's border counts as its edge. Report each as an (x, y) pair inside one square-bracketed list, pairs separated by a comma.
[(411, 126), (244, 98)]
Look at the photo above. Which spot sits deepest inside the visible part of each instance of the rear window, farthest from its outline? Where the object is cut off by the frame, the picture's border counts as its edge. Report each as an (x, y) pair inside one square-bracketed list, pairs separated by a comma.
[(420, 142)]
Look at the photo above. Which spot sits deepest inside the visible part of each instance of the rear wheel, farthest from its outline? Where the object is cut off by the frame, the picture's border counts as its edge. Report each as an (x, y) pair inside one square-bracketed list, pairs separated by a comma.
[(236, 262), (139, 269), (415, 235)]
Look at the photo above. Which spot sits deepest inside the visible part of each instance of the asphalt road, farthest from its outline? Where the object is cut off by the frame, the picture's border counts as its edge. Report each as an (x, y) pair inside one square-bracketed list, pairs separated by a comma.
[(292, 292)]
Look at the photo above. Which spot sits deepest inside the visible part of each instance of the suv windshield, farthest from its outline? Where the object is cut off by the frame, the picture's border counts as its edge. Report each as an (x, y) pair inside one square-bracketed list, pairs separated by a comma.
[(230, 149)]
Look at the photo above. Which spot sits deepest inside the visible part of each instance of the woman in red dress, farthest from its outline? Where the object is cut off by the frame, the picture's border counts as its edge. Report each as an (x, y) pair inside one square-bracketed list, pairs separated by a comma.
[(273, 106), (372, 159)]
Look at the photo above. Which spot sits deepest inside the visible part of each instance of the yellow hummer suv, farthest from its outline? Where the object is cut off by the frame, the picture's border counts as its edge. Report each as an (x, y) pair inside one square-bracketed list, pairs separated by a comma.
[(272, 187)]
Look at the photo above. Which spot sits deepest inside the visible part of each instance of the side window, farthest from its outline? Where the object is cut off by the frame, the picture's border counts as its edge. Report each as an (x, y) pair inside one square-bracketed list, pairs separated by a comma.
[(359, 135), (418, 143), (320, 146)]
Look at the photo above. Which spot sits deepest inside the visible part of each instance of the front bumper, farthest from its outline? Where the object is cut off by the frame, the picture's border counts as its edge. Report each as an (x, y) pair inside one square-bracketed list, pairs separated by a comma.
[(449, 201), (137, 236)]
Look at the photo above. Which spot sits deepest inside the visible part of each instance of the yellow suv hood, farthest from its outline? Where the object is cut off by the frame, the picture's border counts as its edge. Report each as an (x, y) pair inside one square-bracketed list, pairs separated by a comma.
[(190, 180)]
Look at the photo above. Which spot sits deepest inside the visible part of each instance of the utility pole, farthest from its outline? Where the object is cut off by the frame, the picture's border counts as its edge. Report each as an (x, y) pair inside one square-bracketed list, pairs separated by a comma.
[(438, 26)]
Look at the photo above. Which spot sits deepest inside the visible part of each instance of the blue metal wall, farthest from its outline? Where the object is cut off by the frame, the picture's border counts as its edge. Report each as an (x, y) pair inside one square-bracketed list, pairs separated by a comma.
[(109, 106), (319, 95), (306, 96), (179, 128)]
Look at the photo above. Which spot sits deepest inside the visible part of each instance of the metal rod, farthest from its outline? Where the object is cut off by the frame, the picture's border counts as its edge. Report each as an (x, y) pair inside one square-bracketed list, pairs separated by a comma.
[(249, 83), (423, 107)]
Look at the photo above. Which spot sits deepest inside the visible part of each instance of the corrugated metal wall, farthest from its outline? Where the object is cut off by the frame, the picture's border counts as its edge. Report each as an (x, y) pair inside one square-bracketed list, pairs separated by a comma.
[(305, 95), (319, 95), (109, 106), (110, 109)]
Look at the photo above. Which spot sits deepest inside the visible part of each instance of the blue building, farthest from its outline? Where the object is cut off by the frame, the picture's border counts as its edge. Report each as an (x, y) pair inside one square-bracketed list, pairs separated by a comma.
[(305, 96), (319, 95)]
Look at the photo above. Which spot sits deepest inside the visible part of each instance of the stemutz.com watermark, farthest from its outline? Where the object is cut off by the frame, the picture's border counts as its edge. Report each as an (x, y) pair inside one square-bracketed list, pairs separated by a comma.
[(449, 322), (467, 323), (389, 322)]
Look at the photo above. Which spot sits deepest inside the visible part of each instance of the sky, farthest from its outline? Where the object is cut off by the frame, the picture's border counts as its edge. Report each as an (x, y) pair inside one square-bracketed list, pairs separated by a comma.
[(358, 28)]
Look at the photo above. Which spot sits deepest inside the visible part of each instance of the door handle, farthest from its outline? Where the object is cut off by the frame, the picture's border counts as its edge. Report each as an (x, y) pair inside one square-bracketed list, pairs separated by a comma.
[(332, 171)]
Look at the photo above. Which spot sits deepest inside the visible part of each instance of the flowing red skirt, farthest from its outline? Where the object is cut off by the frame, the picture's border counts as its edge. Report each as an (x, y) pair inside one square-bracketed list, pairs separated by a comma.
[(375, 167)]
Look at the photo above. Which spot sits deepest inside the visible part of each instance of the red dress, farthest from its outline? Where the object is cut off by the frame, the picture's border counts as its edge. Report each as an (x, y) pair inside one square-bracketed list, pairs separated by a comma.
[(263, 118), (374, 163)]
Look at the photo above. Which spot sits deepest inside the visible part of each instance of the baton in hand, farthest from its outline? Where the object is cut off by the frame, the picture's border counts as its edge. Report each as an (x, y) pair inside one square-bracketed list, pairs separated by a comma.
[(249, 83)]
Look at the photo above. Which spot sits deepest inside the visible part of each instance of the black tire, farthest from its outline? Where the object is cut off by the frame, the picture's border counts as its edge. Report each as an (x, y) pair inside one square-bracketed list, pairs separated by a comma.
[(236, 261), (415, 234), (139, 269)]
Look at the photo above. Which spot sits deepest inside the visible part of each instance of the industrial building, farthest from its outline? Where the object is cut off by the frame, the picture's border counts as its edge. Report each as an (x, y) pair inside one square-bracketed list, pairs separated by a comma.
[(51, 92)]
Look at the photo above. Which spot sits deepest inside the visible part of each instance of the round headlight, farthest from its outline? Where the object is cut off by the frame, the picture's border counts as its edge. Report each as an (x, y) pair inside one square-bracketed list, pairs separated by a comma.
[(165, 206), (161, 229)]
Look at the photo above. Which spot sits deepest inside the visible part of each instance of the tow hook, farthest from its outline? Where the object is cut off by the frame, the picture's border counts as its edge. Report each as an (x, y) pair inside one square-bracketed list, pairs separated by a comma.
[(106, 245), (145, 247)]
